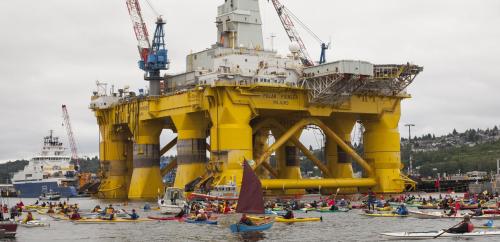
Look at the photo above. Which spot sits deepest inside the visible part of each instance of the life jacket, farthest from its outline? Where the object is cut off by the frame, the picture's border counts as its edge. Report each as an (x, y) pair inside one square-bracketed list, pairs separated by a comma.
[(470, 227)]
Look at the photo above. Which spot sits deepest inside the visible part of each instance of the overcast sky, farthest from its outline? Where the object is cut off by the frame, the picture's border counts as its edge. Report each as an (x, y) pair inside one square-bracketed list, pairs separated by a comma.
[(53, 51)]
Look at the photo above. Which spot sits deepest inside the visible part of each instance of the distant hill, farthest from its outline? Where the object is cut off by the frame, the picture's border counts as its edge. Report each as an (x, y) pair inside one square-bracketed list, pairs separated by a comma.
[(474, 149), (9, 168)]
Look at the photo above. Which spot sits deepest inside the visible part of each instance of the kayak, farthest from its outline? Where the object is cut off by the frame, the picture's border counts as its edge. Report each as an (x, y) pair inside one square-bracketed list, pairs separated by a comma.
[(491, 211), (297, 220), (434, 215), (386, 215), (164, 218), (261, 218), (340, 210), (235, 228), (33, 224), (432, 234), (116, 220), (384, 209), (486, 227), (192, 221)]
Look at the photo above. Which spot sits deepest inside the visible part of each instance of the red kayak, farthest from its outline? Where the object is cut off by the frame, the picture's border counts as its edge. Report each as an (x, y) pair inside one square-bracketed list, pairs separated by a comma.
[(491, 211), (164, 218)]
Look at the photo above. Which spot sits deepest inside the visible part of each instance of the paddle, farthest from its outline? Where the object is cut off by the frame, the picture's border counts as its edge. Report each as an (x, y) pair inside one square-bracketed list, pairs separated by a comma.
[(445, 230)]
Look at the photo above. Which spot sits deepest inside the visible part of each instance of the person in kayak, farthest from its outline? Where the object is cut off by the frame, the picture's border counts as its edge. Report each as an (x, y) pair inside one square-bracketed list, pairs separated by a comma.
[(13, 212), (202, 216), (97, 209), (289, 214), (28, 218), (134, 215), (246, 220), (479, 211), (452, 212), (464, 227), (489, 223), (75, 215), (371, 199), (181, 214), (401, 210)]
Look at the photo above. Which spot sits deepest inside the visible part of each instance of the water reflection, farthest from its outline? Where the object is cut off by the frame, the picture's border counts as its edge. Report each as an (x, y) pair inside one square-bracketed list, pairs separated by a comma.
[(251, 236)]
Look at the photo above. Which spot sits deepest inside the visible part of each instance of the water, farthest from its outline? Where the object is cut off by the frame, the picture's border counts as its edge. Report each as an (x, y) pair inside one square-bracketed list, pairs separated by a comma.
[(349, 226)]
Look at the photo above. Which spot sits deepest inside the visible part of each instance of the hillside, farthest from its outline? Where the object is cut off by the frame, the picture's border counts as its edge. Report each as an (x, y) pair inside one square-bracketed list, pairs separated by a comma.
[(9, 168)]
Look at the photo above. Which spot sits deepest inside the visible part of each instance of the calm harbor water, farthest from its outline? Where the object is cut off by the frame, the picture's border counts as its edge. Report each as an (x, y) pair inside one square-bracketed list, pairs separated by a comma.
[(349, 226)]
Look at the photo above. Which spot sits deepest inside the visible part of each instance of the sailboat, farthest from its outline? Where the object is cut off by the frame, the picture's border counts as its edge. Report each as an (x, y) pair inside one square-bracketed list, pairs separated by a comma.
[(250, 200)]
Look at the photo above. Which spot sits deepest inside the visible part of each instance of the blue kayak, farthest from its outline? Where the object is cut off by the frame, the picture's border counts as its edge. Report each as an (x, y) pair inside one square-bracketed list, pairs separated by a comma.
[(192, 221), (235, 228)]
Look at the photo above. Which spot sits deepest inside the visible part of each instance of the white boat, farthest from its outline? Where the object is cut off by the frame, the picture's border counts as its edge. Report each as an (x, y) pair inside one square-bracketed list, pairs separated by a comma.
[(49, 170), (435, 215), (34, 224), (432, 234), (173, 201), (50, 196)]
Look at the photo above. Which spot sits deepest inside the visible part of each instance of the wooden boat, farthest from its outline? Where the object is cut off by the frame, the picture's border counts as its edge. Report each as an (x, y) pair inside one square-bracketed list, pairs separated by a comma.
[(250, 200), (432, 234), (235, 228)]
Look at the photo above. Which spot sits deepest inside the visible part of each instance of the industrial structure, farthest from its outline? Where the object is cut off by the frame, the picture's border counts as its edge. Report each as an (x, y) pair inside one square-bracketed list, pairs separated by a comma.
[(232, 97)]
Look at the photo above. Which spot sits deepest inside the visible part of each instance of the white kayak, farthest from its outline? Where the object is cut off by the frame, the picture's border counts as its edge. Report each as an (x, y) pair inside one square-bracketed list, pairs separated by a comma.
[(432, 234), (34, 224), (433, 215)]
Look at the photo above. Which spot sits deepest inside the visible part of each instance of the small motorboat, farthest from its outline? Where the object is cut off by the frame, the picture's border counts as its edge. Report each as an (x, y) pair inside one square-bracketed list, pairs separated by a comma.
[(50, 196), (433, 234)]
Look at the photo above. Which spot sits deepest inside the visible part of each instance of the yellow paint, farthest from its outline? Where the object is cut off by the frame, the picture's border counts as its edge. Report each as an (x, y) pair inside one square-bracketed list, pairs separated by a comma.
[(226, 113)]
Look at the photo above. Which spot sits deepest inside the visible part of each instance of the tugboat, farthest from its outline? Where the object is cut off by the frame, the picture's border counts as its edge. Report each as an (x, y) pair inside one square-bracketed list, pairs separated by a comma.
[(51, 170)]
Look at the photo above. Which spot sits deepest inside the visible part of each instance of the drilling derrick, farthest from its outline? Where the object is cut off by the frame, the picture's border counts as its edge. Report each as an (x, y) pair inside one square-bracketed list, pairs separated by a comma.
[(233, 96)]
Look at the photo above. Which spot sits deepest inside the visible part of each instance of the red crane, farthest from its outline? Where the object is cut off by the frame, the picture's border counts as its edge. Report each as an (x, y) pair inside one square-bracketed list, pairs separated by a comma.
[(141, 32), (71, 138)]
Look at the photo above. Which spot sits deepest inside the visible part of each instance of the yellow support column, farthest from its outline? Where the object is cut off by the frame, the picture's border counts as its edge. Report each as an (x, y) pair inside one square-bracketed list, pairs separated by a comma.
[(382, 150), (230, 138), (338, 161), (288, 162), (146, 179), (259, 146), (113, 152), (191, 147)]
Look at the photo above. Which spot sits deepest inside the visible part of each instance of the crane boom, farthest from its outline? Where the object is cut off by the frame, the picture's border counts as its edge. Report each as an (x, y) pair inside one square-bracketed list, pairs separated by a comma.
[(286, 19), (141, 32), (69, 131)]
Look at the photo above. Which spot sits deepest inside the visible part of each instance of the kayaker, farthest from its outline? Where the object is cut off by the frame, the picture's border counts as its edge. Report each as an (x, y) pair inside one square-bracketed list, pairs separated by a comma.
[(401, 210), (97, 209), (371, 199), (452, 212), (1, 216), (147, 207), (75, 215), (246, 220), (29, 217), (181, 214), (202, 216), (479, 211), (110, 209), (13, 212), (464, 227), (289, 214), (134, 215), (489, 223)]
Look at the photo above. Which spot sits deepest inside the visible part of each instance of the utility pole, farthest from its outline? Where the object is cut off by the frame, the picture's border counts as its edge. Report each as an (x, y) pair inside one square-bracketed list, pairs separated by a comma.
[(410, 168)]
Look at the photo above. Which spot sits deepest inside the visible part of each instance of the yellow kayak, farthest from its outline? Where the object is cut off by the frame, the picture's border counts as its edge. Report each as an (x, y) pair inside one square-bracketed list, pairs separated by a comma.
[(297, 220), (116, 220), (255, 218), (384, 209)]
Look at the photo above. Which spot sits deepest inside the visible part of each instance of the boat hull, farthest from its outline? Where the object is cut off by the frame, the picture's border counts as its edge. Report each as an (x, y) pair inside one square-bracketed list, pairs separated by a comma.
[(432, 234), (236, 228), (34, 189)]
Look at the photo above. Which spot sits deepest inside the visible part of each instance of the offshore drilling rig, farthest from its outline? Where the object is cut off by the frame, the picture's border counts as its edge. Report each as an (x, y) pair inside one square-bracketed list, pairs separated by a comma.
[(233, 96)]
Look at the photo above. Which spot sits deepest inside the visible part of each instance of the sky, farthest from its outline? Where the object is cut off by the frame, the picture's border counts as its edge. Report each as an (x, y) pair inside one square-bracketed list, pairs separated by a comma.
[(53, 51)]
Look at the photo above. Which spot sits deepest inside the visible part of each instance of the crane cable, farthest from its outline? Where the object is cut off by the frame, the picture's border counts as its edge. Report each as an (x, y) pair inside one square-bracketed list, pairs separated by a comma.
[(152, 8), (303, 25)]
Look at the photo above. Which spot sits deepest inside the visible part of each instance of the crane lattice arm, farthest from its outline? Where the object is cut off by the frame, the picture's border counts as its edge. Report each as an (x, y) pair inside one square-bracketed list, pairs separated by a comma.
[(69, 131), (141, 32), (286, 19)]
